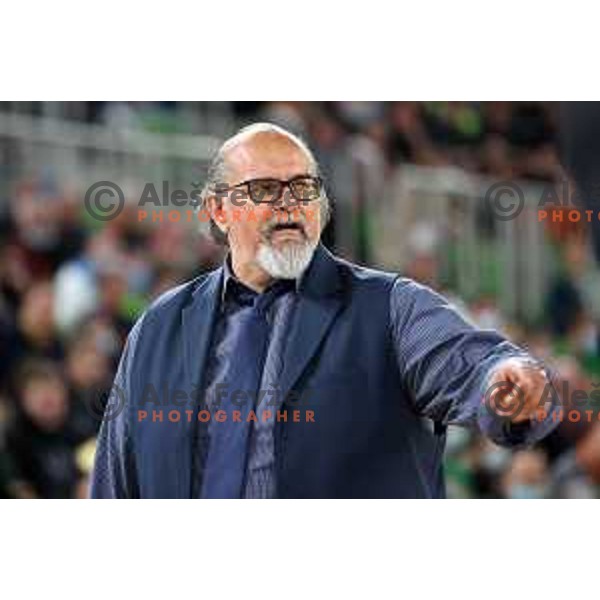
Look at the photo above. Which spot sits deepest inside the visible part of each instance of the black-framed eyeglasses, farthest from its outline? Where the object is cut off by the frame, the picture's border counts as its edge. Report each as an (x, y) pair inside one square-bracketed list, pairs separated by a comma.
[(304, 188)]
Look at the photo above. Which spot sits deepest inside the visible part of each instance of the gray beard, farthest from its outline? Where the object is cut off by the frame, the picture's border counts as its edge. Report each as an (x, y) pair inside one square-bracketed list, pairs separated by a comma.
[(287, 262)]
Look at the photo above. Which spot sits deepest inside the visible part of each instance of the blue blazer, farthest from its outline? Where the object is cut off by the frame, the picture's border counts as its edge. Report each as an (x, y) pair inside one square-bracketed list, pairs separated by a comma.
[(383, 363)]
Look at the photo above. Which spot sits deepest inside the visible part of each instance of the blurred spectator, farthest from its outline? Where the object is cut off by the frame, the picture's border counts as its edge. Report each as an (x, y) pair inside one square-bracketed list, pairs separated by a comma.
[(39, 440), (33, 334), (528, 476), (89, 372)]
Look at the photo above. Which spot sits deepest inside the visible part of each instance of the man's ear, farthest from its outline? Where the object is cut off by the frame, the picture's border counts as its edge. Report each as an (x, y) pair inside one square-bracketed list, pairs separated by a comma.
[(217, 214)]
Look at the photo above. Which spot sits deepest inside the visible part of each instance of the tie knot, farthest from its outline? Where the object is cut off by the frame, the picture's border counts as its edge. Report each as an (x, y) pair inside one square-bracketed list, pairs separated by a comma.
[(263, 301)]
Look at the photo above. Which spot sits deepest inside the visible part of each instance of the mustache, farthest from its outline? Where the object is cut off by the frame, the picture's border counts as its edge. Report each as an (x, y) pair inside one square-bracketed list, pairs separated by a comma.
[(279, 223)]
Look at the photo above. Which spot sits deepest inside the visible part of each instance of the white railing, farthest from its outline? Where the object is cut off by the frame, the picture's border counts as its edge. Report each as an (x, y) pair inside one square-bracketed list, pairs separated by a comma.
[(478, 253), (79, 154)]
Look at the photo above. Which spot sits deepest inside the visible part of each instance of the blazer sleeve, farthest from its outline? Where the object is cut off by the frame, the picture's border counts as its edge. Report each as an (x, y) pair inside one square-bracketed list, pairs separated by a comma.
[(114, 474), (445, 363)]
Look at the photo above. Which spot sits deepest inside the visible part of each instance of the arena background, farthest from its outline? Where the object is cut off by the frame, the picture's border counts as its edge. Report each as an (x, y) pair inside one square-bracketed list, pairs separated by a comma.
[(409, 181)]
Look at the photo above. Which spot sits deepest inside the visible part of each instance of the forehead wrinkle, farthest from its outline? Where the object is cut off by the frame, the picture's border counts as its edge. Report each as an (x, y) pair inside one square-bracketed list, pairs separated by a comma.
[(277, 157)]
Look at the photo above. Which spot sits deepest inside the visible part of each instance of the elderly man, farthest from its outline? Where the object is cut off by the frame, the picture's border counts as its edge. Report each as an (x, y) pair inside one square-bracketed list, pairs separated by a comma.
[(289, 372)]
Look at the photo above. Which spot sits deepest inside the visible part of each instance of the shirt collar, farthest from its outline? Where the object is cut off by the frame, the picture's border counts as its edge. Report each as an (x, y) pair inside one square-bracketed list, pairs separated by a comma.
[(230, 280)]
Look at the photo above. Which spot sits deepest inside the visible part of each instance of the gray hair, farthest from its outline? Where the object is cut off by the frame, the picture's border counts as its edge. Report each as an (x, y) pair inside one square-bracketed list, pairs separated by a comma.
[(218, 168)]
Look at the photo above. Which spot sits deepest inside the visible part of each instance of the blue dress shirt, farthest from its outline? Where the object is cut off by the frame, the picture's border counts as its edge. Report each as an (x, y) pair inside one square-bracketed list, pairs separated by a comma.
[(260, 473)]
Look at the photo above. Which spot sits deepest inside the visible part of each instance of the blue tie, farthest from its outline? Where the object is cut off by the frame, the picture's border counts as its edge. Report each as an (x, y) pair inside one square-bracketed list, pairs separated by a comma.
[(225, 468)]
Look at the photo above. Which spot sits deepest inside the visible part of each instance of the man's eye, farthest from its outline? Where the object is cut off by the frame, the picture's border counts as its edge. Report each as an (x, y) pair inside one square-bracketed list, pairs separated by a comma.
[(306, 188), (269, 186), (264, 189)]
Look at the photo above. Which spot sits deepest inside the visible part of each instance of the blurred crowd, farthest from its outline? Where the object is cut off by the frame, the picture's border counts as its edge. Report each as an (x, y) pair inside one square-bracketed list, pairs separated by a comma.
[(71, 287)]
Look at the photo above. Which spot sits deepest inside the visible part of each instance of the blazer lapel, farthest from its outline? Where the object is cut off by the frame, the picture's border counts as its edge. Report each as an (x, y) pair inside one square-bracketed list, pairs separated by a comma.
[(198, 320), (319, 303)]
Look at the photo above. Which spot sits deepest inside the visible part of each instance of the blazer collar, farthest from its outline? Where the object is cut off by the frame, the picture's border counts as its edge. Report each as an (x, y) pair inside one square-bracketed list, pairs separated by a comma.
[(321, 278)]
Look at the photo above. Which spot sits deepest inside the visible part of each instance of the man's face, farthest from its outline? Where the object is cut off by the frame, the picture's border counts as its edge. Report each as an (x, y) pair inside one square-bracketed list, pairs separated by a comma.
[(45, 402), (260, 233)]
